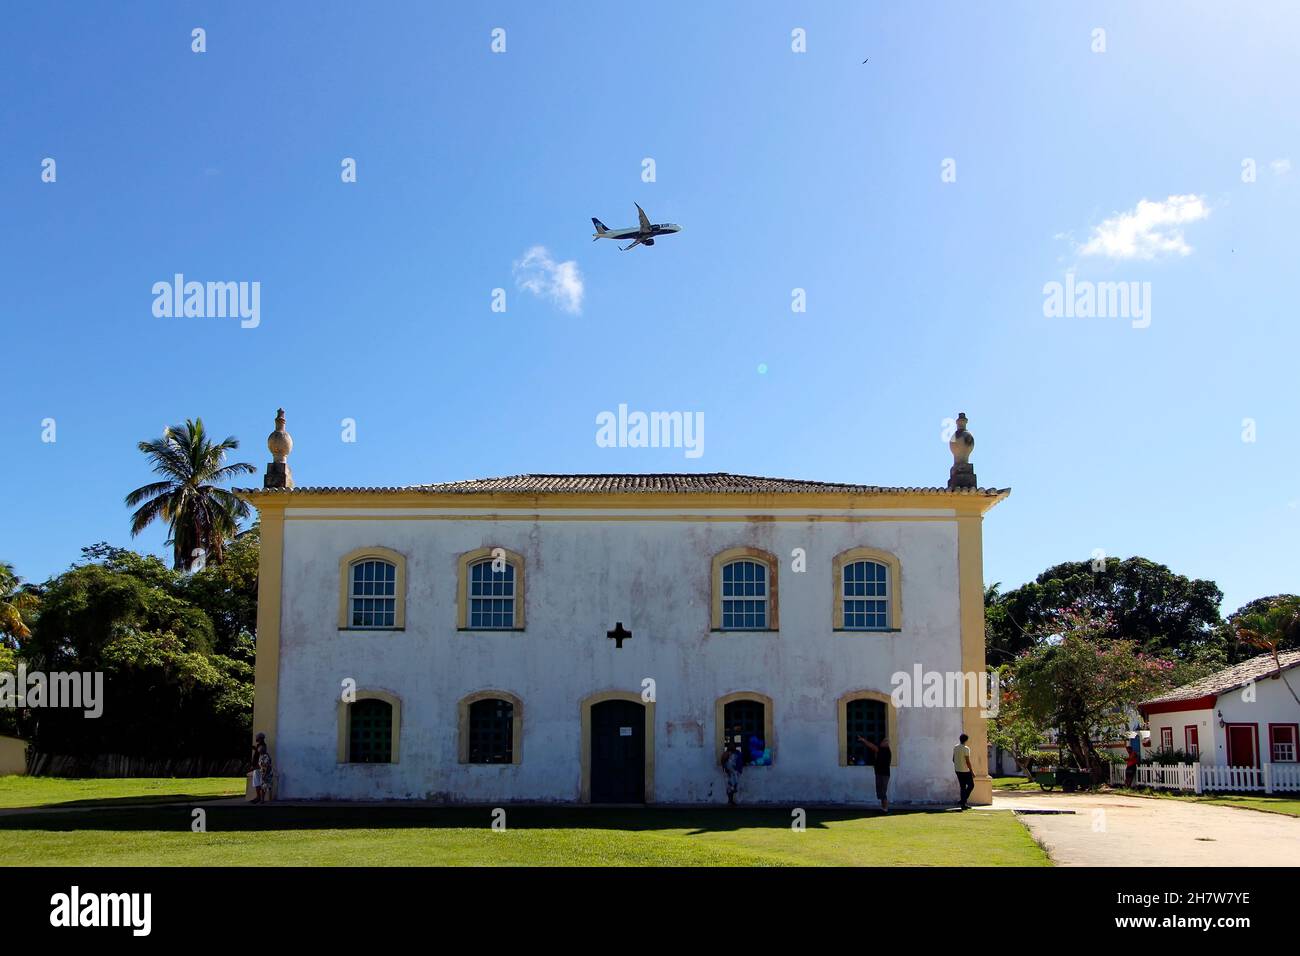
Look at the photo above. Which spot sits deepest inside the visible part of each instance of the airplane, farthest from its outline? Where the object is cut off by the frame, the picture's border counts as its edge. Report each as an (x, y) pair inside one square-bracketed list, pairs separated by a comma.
[(642, 235)]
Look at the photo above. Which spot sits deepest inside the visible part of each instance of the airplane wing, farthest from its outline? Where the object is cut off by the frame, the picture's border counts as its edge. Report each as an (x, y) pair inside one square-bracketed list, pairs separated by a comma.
[(633, 245), (645, 223)]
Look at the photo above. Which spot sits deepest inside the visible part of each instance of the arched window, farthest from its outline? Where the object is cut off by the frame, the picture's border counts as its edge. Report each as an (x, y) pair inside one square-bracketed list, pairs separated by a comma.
[(491, 595), (490, 726), (744, 719), (372, 585), (370, 727), (864, 719), (866, 596), (744, 591), (744, 596), (867, 591), (370, 732), (869, 714), (374, 594), (491, 590)]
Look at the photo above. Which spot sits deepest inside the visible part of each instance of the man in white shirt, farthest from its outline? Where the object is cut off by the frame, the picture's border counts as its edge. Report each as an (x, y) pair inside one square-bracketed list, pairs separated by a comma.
[(961, 764)]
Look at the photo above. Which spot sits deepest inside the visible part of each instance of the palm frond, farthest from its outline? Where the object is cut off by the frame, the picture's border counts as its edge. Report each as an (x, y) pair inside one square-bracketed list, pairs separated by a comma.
[(149, 491), (226, 472), (149, 513)]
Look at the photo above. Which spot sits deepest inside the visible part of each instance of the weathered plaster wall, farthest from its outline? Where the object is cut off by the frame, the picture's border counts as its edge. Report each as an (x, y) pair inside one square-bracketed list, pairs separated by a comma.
[(582, 576)]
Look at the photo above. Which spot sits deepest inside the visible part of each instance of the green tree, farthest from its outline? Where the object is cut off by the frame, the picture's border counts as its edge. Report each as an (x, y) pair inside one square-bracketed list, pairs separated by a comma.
[(199, 514), (227, 593), (17, 604), (169, 690), (86, 606), (1016, 729), (9, 717), (1271, 625), (1161, 612), (1083, 681)]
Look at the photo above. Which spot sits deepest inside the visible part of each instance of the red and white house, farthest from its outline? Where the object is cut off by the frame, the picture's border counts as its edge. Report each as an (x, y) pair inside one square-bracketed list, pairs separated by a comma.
[(1240, 727)]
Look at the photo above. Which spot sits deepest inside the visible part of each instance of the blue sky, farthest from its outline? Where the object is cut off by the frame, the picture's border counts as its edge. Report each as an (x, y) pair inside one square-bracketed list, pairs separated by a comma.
[(787, 170)]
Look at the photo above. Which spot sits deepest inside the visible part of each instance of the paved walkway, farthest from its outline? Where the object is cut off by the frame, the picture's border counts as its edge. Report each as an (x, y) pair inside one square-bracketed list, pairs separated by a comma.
[(1118, 829)]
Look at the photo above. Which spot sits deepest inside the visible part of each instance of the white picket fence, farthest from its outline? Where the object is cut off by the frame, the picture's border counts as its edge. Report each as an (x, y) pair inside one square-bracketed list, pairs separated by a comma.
[(1199, 778)]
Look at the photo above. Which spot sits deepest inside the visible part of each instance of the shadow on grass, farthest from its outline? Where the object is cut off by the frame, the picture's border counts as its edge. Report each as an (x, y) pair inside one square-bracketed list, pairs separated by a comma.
[(138, 800), (277, 818)]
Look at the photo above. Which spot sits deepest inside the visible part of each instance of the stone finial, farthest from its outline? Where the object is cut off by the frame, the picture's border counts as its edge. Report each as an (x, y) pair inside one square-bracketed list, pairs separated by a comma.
[(962, 474), (278, 474)]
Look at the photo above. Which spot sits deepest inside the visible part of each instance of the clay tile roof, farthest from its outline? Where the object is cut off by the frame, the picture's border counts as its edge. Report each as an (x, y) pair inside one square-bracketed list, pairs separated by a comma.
[(690, 483), (1230, 678)]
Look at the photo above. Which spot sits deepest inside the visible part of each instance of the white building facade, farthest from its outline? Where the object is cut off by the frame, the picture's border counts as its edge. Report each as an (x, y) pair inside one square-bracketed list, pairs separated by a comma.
[(599, 638), (1243, 716)]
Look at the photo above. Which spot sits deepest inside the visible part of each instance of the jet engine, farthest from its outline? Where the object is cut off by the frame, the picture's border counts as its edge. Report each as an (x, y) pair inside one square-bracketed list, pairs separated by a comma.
[(647, 242)]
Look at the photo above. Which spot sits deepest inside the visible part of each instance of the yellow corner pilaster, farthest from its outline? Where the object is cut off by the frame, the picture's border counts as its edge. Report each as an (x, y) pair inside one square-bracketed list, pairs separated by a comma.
[(266, 672), (970, 565)]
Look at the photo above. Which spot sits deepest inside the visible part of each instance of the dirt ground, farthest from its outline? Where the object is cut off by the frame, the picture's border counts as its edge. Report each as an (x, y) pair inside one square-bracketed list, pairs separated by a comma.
[(1117, 829)]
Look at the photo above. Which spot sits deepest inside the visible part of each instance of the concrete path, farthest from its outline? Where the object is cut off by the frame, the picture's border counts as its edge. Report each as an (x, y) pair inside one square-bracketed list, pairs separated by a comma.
[(1118, 829)]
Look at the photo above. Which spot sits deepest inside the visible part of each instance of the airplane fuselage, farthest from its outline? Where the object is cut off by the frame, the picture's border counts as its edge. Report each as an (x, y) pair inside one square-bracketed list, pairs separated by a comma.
[(656, 229), (643, 234)]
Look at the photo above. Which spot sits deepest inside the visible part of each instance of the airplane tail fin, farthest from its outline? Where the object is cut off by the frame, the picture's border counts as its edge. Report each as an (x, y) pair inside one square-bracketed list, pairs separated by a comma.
[(601, 228)]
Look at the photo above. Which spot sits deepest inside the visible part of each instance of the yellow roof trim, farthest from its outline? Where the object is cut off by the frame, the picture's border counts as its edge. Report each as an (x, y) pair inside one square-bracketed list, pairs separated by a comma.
[(962, 502)]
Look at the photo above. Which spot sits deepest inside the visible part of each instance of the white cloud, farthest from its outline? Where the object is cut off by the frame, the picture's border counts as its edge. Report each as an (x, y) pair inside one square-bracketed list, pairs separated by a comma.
[(1280, 167), (561, 282), (1150, 229)]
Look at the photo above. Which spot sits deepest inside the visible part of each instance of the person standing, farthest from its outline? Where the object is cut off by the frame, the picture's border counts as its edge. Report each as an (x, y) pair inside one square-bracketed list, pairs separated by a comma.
[(268, 775), (733, 763), (881, 757), (259, 751), (961, 764)]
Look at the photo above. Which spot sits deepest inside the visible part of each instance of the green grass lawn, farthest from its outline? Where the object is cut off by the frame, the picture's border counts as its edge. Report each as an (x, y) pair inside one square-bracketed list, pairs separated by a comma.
[(1268, 804), (245, 835), (46, 791)]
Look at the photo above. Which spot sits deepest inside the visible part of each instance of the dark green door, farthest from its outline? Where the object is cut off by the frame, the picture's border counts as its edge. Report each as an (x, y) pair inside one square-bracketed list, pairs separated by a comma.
[(618, 752)]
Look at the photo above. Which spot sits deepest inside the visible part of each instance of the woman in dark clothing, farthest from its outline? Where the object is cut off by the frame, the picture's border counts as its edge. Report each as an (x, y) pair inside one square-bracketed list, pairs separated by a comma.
[(880, 759)]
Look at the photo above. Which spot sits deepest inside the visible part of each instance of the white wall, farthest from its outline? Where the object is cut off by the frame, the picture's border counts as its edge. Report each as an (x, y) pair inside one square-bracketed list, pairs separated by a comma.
[(1177, 721), (13, 756), (582, 577), (1273, 703)]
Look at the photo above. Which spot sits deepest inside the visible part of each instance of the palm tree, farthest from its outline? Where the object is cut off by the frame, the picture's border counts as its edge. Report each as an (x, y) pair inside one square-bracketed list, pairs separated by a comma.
[(199, 514), (14, 603), (1270, 629)]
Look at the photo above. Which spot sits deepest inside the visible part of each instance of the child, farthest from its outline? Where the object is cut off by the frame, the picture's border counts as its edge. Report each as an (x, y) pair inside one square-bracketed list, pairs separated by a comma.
[(259, 750), (268, 775)]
